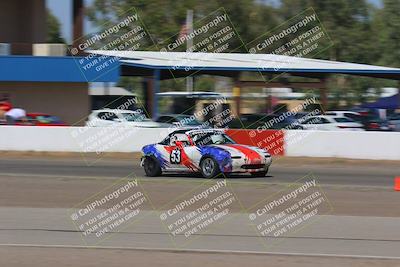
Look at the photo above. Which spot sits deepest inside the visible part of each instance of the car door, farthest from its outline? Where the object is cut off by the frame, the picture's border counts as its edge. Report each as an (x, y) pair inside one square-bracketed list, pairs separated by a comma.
[(326, 125), (180, 152), (313, 123)]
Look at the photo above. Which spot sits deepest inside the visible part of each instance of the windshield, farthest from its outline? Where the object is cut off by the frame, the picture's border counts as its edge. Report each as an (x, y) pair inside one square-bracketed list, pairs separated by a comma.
[(343, 119), (187, 121), (394, 117), (136, 117), (211, 138)]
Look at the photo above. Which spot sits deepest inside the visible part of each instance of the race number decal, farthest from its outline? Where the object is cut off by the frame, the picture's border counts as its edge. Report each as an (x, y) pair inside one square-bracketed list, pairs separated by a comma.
[(175, 157)]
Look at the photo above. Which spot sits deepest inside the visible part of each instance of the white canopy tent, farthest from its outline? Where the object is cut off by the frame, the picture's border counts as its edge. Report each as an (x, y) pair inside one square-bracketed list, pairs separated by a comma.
[(167, 65), (176, 61)]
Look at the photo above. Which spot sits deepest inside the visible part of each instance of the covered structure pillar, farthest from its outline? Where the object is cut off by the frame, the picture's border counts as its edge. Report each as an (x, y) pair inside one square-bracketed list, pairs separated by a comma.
[(236, 92), (152, 87), (324, 94), (77, 20), (156, 90)]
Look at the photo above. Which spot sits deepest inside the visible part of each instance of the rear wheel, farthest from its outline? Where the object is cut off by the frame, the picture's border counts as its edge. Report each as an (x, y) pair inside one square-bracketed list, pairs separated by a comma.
[(259, 174), (209, 168), (151, 167)]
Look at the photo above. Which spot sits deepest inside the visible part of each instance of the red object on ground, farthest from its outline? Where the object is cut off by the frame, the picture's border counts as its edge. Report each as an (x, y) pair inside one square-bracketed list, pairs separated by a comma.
[(272, 140), (41, 119), (397, 183), (5, 106)]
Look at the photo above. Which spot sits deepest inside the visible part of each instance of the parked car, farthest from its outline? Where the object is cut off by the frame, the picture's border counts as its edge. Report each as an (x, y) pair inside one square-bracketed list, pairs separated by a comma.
[(369, 120), (294, 122), (263, 121), (179, 120), (394, 119), (324, 122), (376, 124), (41, 119), (248, 121), (355, 116), (117, 117)]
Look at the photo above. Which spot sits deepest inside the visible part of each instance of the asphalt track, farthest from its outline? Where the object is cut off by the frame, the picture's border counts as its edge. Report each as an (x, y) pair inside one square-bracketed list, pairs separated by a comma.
[(37, 195), (369, 173)]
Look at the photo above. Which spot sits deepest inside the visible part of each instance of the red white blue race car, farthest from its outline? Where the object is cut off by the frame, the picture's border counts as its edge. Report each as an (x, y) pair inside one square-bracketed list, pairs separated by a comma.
[(208, 151)]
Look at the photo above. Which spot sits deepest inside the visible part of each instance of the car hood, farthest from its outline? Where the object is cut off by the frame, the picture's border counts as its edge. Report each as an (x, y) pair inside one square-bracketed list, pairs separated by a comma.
[(244, 151), (145, 124)]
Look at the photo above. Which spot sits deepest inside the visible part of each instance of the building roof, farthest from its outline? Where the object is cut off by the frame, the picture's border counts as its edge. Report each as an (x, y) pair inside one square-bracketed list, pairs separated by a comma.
[(182, 64), (195, 94)]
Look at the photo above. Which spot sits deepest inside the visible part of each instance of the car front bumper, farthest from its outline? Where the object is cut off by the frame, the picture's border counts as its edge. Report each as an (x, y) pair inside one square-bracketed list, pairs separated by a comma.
[(241, 166)]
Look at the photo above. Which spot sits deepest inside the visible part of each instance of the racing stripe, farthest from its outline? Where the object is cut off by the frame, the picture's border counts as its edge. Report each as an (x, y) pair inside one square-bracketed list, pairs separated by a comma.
[(227, 148), (253, 157), (185, 160)]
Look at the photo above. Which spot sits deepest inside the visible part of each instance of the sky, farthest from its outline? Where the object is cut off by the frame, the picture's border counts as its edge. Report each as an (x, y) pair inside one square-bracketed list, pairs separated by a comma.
[(62, 9)]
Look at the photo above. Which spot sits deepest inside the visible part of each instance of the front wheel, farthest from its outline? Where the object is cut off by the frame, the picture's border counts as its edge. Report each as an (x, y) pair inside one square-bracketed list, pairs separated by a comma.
[(209, 168), (151, 167), (259, 174)]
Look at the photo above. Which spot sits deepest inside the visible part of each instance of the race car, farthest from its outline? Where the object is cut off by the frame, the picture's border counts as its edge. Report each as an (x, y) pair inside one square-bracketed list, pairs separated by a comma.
[(208, 151)]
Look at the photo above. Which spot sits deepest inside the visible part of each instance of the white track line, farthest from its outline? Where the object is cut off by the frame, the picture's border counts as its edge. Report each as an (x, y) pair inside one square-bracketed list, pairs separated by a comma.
[(242, 252), (24, 175), (177, 179)]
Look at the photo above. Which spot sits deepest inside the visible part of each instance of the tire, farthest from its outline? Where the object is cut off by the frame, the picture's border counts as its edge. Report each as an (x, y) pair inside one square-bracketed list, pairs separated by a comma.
[(151, 167), (259, 174), (209, 168)]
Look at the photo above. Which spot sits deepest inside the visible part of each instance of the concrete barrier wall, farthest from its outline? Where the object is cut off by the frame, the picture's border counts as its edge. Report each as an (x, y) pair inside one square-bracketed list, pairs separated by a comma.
[(343, 144), (77, 139)]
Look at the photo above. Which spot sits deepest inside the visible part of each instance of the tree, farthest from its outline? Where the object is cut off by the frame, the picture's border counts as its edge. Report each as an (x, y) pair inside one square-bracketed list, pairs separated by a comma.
[(388, 26), (356, 29), (348, 24), (53, 29), (164, 18)]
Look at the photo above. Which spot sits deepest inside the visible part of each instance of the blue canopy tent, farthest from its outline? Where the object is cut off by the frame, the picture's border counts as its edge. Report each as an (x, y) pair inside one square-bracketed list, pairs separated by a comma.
[(391, 102)]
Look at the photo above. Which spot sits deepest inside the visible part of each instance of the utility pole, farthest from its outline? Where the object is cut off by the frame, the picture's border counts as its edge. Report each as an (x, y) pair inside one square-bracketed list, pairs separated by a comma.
[(77, 30), (189, 45)]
